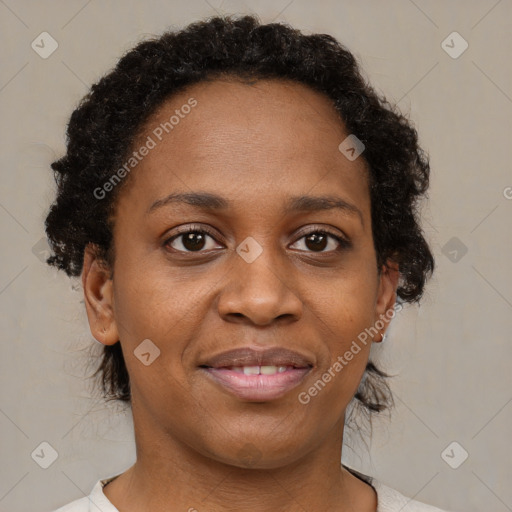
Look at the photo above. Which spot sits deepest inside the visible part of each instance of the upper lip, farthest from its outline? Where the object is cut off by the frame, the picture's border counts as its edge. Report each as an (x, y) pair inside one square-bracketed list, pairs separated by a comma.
[(274, 356)]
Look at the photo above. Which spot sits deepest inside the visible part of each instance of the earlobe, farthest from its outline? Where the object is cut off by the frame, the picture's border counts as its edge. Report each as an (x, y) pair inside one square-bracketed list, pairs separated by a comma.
[(98, 297), (386, 298)]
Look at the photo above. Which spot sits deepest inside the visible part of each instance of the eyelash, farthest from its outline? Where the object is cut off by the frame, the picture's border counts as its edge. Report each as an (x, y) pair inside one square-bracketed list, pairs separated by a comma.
[(343, 243)]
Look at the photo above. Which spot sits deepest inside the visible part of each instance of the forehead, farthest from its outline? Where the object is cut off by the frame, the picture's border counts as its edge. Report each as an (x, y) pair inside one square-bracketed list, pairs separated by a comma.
[(278, 115), (269, 137)]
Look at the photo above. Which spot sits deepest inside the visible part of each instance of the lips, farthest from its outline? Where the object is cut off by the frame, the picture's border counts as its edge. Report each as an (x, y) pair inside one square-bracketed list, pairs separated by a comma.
[(257, 375), (276, 356)]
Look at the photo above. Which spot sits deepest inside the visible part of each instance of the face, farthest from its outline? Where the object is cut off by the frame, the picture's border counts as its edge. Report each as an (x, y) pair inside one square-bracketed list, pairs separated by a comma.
[(253, 267)]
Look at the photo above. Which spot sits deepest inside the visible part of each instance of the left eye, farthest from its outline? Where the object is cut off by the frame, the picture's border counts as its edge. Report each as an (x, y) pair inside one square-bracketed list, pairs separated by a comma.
[(319, 240)]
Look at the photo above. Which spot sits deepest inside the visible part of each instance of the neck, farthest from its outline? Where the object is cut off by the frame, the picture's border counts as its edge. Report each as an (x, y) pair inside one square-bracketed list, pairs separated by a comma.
[(170, 476)]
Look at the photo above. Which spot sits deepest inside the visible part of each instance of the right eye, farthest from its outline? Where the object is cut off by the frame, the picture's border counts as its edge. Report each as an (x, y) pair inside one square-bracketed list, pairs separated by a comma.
[(190, 239)]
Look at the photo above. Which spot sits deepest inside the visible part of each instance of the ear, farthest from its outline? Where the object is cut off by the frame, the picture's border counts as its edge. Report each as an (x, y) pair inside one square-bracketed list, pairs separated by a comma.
[(99, 297), (386, 297)]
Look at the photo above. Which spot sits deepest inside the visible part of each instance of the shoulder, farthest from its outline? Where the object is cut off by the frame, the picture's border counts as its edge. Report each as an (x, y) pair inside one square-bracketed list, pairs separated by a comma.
[(81, 505), (94, 502), (390, 500)]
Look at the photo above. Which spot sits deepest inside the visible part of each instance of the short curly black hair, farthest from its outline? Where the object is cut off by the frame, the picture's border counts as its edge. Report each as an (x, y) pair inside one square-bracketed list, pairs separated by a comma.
[(102, 130)]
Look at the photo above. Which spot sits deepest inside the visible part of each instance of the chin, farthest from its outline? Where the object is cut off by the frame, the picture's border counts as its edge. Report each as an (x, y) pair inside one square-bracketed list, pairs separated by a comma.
[(258, 455)]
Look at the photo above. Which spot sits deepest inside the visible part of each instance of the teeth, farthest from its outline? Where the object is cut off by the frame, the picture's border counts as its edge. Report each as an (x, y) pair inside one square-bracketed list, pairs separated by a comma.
[(251, 370), (259, 370), (269, 370)]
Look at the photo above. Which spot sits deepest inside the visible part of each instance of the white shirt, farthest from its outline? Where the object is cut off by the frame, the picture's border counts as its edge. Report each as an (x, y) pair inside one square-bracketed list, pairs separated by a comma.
[(388, 499)]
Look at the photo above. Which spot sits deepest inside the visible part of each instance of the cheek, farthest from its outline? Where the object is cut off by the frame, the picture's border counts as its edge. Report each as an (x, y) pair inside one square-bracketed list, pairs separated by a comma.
[(149, 298), (345, 310), (154, 302), (345, 303), (148, 307)]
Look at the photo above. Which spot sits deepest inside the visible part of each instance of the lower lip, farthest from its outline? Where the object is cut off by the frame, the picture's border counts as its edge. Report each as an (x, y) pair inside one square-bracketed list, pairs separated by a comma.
[(258, 387)]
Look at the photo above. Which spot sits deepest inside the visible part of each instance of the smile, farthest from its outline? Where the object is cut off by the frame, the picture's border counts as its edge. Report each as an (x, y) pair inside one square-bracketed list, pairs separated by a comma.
[(257, 383)]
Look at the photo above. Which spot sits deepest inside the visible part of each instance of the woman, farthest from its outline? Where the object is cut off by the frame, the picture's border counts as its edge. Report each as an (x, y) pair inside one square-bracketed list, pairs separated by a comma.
[(241, 208)]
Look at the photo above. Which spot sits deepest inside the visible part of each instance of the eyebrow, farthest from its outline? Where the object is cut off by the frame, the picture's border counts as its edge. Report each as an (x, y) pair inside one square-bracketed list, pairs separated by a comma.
[(208, 201)]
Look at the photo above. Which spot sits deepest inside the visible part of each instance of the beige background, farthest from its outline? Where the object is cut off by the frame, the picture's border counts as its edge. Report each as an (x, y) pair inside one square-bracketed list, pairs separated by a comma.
[(452, 355)]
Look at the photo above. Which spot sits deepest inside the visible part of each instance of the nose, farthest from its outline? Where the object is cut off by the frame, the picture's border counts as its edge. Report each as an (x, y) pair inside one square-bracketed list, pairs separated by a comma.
[(261, 291)]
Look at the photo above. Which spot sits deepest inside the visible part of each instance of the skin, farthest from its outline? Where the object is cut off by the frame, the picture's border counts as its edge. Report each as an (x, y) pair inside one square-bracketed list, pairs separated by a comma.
[(255, 145)]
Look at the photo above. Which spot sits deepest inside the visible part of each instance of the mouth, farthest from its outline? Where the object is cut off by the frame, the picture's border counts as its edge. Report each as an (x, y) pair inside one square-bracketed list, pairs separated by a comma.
[(257, 375)]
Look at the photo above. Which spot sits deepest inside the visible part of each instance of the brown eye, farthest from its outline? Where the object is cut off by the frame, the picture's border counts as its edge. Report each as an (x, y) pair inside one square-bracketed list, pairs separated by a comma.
[(316, 241), (191, 240), (319, 240)]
